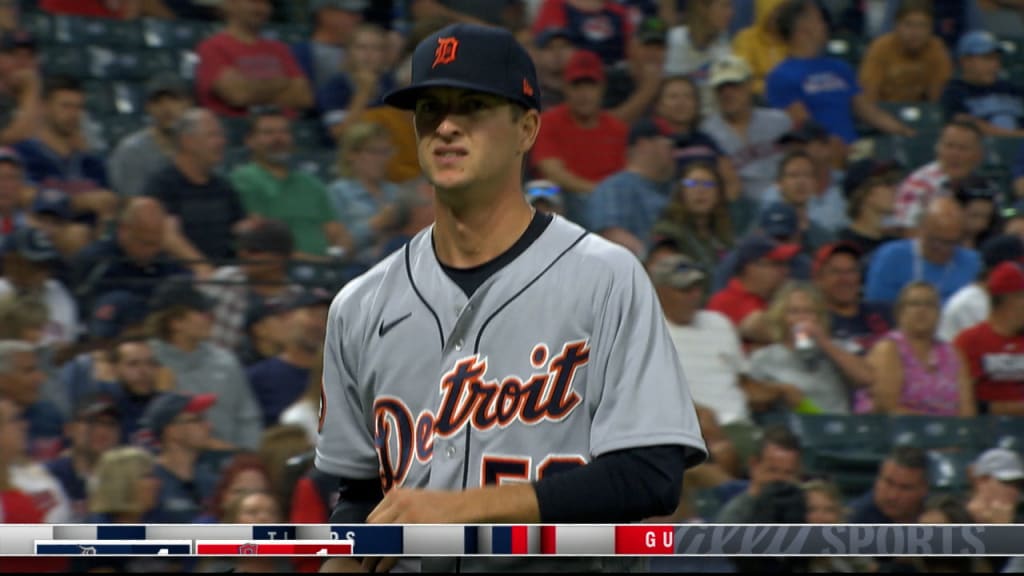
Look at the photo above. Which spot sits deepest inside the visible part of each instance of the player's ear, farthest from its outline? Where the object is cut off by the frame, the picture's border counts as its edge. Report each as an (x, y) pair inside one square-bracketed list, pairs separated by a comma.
[(529, 127)]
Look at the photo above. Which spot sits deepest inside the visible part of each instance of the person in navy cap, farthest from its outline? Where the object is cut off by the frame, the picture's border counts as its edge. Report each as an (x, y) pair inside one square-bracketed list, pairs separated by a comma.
[(29, 259), (979, 95), (780, 222), (870, 189), (21, 86)]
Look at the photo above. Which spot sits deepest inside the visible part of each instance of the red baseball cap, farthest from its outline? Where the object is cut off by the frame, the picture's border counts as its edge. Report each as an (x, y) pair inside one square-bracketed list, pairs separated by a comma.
[(829, 250), (1006, 278), (584, 65)]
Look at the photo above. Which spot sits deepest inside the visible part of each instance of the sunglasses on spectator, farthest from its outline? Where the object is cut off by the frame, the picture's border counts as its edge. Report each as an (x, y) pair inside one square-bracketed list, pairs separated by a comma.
[(699, 183)]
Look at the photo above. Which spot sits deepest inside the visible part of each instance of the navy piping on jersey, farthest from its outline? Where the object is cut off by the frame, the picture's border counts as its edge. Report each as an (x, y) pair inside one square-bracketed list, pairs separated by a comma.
[(408, 272)]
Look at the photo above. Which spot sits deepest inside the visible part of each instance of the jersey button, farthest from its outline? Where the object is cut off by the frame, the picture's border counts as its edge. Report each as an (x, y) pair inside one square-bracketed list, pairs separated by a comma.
[(450, 451)]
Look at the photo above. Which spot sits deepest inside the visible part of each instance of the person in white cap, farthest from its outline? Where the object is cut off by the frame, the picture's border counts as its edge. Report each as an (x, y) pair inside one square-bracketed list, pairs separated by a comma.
[(997, 476)]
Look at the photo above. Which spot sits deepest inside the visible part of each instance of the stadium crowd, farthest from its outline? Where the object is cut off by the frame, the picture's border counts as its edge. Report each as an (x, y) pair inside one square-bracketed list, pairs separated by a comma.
[(828, 196)]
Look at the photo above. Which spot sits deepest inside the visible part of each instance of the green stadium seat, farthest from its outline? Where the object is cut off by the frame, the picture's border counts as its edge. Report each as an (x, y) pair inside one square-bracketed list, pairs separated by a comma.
[(922, 116), (77, 31), (1003, 151), (935, 432), (233, 158), (1013, 50), (40, 24), (287, 33), (848, 448), (706, 504), (99, 97), (320, 162), (947, 471), (117, 126), (1005, 432), (912, 153), (179, 34), (308, 134), (129, 98), (65, 61), (235, 129)]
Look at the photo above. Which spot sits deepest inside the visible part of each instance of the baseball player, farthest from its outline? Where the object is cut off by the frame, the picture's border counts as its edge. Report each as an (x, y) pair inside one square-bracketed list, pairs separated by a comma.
[(505, 366)]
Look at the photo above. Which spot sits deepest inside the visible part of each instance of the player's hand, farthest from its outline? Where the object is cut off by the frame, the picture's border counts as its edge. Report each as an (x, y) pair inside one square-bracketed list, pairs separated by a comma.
[(416, 506)]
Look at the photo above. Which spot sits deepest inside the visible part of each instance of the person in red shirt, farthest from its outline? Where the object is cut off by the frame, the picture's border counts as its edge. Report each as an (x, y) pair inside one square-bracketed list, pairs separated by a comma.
[(238, 69), (994, 349), (579, 143), (762, 266)]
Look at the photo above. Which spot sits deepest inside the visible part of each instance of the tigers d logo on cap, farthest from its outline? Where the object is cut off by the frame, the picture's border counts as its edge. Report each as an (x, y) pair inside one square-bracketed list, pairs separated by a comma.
[(447, 48)]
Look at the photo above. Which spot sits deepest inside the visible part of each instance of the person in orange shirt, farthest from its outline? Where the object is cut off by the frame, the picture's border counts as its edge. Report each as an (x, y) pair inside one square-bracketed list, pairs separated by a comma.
[(909, 64), (760, 45)]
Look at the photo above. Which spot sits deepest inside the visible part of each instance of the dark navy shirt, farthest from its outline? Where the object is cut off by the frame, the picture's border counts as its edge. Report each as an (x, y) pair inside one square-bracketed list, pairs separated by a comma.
[(103, 266), (277, 385), (1000, 104), (78, 172), (63, 469), (863, 510), (181, 502)]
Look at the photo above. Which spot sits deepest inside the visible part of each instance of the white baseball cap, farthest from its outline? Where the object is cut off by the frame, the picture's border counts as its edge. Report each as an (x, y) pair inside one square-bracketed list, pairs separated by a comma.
[(729, 69), (999, 463)]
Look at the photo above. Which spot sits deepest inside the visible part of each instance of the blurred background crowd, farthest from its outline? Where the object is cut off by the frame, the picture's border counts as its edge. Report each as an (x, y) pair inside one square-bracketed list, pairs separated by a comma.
[(828, 196)]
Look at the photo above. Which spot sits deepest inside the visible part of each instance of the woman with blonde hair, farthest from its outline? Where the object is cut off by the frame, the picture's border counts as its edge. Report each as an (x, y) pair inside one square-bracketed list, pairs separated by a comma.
[(917, 373), (815, 373), (363, 199), (124, 488)]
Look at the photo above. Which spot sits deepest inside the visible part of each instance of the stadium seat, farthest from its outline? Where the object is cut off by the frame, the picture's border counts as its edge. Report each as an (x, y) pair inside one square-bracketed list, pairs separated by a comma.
[(179, 34), (308, 134), (947, 471), (287, 33), (847, 448), (235, 130), (706, 504), (129, 98), (234, 157), (40, 24), (117, 126), (943, 433), (65, 61), (912, 153), (921, 116), (99, 97), (1002, 152), (1013, 50), (1004, 432), (321, 163), (77, 31)]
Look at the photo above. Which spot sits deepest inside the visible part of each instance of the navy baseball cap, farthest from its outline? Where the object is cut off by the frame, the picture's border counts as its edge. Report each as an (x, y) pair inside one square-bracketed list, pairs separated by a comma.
[(648, 128), (53, 202), (548, 34), (978, 43), (977, 187), (1002, 248), (32, 244), (756, 246), (179, 294), (779, 220), (163, 409), (810, 131), (115, 311), (480, 58), (867, 169)]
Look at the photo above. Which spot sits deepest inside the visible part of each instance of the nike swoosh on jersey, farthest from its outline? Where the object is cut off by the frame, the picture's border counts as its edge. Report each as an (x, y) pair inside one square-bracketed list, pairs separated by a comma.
[(385, 328)]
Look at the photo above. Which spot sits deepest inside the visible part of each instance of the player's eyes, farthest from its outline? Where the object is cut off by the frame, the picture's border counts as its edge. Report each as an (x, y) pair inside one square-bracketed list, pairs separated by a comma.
[(427, 107)]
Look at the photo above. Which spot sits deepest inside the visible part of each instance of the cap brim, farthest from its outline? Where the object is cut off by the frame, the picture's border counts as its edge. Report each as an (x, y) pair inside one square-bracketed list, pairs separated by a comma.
[(200, 403), (783, 252), (405, 98), (730, 79)]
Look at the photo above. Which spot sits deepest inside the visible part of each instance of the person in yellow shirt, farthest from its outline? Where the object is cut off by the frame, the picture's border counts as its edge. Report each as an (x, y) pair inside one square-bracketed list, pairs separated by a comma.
[(909, 64), (760, 45)]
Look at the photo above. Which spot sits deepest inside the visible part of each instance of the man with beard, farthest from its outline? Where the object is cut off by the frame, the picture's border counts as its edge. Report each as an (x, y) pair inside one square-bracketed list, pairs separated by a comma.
[(141, 155), (279, 381), (269, 187)]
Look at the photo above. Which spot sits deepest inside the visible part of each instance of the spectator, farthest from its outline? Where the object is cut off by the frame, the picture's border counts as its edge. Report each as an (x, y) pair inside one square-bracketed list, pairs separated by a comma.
[(958, 153), (1017, 172), (816, 373), (323, 54), (139, 156), (256, 507), (278, 382), (579, 144), (122, 10), (364, 201), (870, 189), (678, 104), (552, 51), (996, 476), (936, 257), (599, 26), (993, 348), (51, 212), (811, 86), (696, 219), (625, 206), (29, 259), (694, 46), (780, 223), (58, 156), (31, 477), (812, 139), (243, 474), (20, 382), (265, 331), (633, 84), (854, 323), (16, 507), (181, 326), (264, 251), (545, 196), (916, 373), (238, 69), (979, 197), (970, 305), (12, 191), (359, 84), (278, 446), (761, 45), (179, 426), (707, 343), (137, 379), (126, 489), (820, 214), (899, 492), (1013, 219), (746, 133), (95, 430), (270, 188), (825, 506), (305, 411), (953, 18), (949, 509), (909, 64), (979, 96), (201, 202), (776, 459), (761, 267), (133, 258), (20, 88)]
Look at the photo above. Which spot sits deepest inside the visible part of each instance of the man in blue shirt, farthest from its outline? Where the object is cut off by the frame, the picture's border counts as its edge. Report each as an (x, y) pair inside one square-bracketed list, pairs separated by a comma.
[(935, 256), (625, 206), (899, 492), (979, 95), (94, 430)]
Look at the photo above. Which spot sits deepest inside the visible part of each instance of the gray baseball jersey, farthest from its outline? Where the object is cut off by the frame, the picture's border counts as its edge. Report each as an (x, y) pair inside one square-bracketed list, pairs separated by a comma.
[(561, 356)]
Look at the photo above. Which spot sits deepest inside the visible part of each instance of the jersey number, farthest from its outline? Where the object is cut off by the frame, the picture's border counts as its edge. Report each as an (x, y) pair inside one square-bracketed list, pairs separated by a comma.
[(496, 470)]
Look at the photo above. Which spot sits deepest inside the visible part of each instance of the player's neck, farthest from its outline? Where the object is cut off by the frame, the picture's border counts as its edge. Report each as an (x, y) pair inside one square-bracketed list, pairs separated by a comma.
[(475, 233)]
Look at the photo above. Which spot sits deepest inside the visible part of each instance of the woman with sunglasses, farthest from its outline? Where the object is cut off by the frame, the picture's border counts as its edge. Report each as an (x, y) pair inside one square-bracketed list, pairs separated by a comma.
[(697, 218)]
